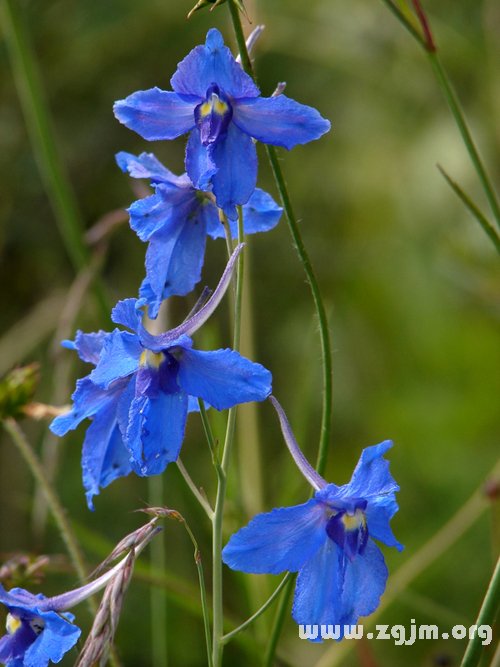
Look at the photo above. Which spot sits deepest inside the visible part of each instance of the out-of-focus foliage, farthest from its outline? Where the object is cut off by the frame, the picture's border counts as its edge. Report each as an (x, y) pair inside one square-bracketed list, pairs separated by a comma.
[(409, 279)]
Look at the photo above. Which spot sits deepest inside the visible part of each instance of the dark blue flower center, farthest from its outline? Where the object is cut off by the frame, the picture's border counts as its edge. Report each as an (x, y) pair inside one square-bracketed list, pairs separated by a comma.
[(348, 528), (213, 116), (157, 372), (22, 631)]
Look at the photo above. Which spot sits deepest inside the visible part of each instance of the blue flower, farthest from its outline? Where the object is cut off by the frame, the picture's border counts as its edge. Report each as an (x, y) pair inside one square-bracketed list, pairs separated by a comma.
[(222, 109), (139, 393), (329, 540), (36, 635), (175, 221)]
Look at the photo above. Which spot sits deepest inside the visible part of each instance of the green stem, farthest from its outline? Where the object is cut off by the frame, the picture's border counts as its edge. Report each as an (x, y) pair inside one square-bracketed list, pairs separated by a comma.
[(476, 212), (486, 616), (453, 103), (38, 121), (222, 471), (65, 529), (227, 637), (304, 258), (158, 599), (203, 594), (278, 623), (458, 115), (194, 490)]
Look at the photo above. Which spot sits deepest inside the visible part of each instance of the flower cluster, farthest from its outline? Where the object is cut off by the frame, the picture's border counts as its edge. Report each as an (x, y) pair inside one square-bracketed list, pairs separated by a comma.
[(143, 386)]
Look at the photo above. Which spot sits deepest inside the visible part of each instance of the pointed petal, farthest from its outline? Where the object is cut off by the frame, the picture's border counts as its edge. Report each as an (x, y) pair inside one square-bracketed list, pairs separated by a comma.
[(104, 455), (277, 541), (223, 377), (200, 165), (371, 477), (88, 346), (155, 431), (147, 165), (163, 341), (157, 114), (279, 121), (127, 314), (379, 512), (119, 357), (212, 63), (88, 399), (236, 159), (261, 213)]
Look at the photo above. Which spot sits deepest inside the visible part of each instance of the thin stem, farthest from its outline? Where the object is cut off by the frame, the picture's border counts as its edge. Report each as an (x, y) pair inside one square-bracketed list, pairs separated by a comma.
[(476, 212), (486, 616), (222, 470), (65, 529), (43, 139), (293, 226), (451, 98), (157, 597), (279, 619), (203, 594), (458, 115), (194, 490), (394, 9), (227, 637)]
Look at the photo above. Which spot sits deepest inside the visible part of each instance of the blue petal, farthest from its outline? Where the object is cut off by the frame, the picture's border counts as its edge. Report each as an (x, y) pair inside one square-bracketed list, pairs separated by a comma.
[(88, 399), (155, 431), (277, 541), (213, 223), (279, 121), (150, 215), (364, 582), (174, 260), (200, 165), (331, 590), (147, 165), (318, 592), (119, 358), (212, 63), (371, 477), (88, 346), (378, 514), (57, 638), (156, 114), (260, 214), (104, 455), (236, 159), (127, 313), (223, 377)]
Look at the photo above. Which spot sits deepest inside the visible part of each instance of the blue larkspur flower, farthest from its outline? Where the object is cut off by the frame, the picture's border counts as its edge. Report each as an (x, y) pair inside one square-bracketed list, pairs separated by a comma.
[(175, 222), (40, 629), (139, 393), (329, 540), (36, 634), (222, 109)]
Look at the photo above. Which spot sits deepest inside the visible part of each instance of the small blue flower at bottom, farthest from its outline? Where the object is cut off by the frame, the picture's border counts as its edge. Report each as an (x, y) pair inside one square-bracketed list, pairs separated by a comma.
[(328, 540), (176, 220), (140, 391), (40, 629), (35, 636)]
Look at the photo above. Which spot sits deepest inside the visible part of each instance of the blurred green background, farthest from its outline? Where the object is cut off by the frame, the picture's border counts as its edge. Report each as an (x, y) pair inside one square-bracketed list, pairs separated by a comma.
[(409, 279)]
